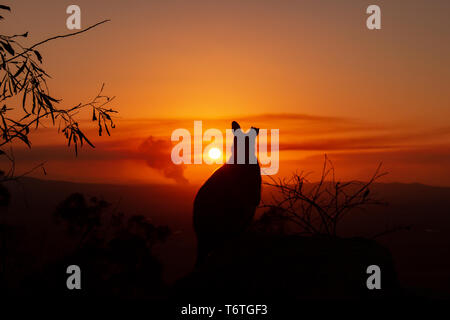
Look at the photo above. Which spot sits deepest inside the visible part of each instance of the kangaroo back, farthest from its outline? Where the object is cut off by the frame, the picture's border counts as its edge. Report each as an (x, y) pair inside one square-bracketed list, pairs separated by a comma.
[(225, 205)]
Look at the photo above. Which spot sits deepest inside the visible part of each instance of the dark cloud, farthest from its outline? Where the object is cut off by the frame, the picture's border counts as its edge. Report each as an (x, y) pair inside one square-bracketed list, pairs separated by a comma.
[(327, 144), (367, 142), (156, 153), (291, 116), (147, 141)]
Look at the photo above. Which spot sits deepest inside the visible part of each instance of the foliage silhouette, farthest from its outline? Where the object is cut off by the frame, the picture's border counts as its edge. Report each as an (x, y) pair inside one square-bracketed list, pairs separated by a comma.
[(24, 81), (113, 250)]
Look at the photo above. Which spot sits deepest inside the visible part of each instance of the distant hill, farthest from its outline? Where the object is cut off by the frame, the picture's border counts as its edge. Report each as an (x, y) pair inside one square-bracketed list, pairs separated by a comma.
[(421, 255)]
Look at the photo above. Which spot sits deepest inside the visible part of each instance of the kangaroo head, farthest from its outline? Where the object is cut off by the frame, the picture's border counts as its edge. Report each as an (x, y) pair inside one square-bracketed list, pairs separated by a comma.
[(243, 150)]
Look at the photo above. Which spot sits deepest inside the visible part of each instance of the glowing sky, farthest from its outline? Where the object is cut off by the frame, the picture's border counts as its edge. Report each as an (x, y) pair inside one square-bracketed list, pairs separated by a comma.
[(309, 68)]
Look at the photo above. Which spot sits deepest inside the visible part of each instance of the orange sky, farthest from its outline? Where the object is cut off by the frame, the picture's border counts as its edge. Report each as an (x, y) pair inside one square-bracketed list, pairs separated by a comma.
[(309, 68)]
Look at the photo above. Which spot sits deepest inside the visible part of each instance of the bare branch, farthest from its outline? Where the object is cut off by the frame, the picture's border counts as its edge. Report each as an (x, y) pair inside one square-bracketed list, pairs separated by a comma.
[(317, 208), (56, 37)]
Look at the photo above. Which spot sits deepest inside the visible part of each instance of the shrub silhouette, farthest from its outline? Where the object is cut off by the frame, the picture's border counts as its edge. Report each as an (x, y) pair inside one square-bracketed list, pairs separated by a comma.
[(315, 208), (114, 251)]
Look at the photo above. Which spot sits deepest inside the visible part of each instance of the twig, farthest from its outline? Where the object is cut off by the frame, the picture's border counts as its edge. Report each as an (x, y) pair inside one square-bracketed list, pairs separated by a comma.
[(56, 37)]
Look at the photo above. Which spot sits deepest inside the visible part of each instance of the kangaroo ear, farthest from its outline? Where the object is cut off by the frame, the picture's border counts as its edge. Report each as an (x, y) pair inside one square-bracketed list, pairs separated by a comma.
[(256, 129), (235, 125)]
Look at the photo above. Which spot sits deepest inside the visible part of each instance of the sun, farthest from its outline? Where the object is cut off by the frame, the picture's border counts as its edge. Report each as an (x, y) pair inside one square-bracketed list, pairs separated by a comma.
[(214, 153)]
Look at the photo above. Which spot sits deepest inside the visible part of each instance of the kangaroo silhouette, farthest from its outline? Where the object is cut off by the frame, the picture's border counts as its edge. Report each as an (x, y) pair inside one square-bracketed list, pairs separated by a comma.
[(225, 205)]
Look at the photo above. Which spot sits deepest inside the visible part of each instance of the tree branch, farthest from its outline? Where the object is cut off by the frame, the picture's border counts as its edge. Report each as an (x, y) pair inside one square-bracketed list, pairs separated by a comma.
[(56, 37)]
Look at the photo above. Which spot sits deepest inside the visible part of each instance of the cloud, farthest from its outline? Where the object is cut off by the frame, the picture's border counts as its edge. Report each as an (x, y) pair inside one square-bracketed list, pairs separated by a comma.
[(156, 153), (392, 140), (426, 164), (141, 143), (327, 144)]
